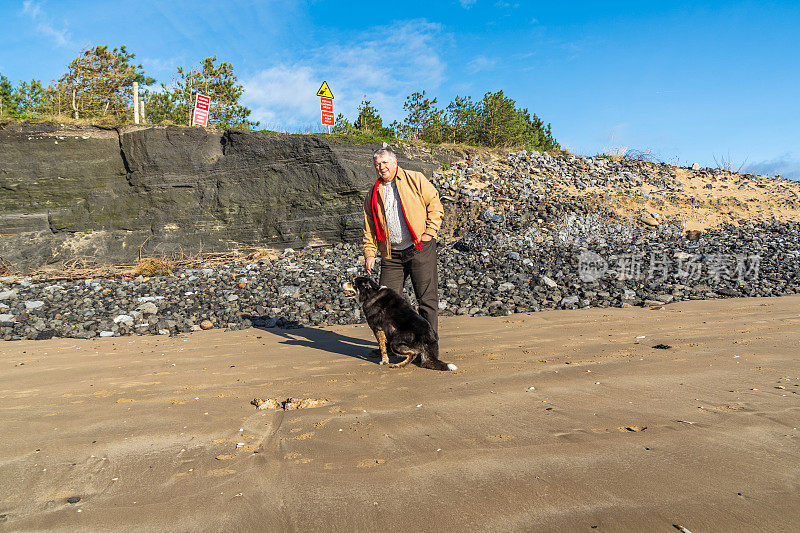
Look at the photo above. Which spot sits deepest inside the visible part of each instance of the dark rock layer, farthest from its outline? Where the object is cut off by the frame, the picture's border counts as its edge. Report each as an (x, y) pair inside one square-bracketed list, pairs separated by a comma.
[(110, 195)]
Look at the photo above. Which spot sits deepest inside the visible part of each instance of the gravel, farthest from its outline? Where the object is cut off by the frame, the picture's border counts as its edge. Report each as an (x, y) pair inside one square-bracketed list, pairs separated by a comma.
[(518, 244)]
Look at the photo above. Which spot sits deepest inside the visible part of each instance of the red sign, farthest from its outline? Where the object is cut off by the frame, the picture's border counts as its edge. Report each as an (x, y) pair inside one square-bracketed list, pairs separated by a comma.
[(201, 108), (326, 107)]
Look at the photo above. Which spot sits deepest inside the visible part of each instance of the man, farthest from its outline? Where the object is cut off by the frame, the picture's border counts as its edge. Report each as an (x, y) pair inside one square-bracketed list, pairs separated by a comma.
[(402, 216)]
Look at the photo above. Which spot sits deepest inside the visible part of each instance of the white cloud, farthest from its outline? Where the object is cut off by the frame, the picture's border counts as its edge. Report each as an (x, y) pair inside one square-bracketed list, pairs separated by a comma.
[(785, 165), (384, 71), (480, 63), (283, 95), (466, 4), (44, 24)]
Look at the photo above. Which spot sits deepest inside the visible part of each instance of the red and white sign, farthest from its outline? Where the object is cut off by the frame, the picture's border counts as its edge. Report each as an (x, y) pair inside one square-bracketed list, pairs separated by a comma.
[(201, 107), (326, 107)]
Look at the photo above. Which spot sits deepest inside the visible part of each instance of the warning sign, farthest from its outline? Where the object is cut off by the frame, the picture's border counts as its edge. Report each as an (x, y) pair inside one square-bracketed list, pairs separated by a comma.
[(201, 108), (325, 91), (326, 108)]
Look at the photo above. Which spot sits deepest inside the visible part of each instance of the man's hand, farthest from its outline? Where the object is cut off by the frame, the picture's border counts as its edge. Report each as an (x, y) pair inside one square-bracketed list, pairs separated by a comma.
[(369, 264), (425, 237)]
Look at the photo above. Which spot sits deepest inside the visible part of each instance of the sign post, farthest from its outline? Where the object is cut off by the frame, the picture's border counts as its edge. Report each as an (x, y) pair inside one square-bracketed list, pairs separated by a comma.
[(201, 107), (326, 105)]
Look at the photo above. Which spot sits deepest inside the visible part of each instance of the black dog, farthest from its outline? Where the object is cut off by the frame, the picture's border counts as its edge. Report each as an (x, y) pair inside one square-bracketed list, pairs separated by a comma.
[(397, 326)]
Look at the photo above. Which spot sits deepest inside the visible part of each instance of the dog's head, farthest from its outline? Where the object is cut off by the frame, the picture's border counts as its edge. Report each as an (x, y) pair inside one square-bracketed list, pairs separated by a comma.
[(361, 287)]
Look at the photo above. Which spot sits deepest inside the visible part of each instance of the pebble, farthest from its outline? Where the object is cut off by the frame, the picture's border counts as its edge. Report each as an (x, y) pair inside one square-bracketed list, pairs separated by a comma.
[(511, 246)]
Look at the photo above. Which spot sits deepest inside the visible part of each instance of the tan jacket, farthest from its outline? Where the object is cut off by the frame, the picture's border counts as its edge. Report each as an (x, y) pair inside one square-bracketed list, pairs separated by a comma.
[(421, 204)]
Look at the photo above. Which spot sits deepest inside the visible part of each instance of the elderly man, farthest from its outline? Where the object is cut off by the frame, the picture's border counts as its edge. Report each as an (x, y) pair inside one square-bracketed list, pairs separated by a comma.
[(402, 216)]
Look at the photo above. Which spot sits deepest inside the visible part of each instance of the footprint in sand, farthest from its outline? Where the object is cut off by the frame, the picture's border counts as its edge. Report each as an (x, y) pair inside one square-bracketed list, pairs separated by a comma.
[(225, 457), (633, 429)]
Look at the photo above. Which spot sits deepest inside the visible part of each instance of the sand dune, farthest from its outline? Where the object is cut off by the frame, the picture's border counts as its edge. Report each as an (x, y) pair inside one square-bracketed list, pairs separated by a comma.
[(561, 420)]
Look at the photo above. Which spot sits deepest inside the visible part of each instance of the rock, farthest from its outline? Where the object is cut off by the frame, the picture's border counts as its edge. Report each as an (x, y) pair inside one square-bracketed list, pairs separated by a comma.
[(124, 319), (33, 304), (569, 300), (148, 308), (695, 166), (288, 291), (549, 282), (106, 333), (9, 295), (648, 219), (628, 294), (6, 318), (505, 287), (206, 324)]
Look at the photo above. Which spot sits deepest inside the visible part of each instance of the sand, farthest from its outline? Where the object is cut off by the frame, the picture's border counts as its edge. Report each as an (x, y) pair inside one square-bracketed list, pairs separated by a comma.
[(556, 421)]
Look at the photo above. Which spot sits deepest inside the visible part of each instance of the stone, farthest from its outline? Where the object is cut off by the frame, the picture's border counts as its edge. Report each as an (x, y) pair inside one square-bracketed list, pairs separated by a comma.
[(124, 319), (549, 282), (9, 295), (628, 294), (6, 318), (288, 291), (148, 308), (648, 219), (206, 324), (569, 300), (33, 304)]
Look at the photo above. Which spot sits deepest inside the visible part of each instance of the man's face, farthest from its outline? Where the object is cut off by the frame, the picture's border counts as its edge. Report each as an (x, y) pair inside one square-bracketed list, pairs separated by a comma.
[(386, 167)]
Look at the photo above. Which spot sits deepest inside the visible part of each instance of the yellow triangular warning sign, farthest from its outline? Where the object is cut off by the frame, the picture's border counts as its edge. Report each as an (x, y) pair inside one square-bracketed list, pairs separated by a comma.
[(325, 91)]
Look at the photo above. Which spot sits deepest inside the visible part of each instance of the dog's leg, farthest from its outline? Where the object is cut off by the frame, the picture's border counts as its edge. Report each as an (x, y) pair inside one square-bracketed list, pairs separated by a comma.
[(382, 343), (430, 359), (410, 356)]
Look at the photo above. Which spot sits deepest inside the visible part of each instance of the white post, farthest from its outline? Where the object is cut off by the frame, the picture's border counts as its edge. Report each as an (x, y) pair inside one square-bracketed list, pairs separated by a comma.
[(141, 111), (135, 102)]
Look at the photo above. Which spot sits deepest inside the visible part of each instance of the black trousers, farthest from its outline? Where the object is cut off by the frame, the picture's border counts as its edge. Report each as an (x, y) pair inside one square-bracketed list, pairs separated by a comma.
[(421, 266)]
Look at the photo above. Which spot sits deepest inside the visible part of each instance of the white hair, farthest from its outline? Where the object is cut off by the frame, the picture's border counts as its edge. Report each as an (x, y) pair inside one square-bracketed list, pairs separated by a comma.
[(385, 150)]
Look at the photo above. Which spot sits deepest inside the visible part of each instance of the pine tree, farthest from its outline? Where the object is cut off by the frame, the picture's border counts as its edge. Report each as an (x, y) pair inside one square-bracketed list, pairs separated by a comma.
[(499, 121), (342, 125), (9, 100), (369, 121), (423, 120), (100, 82), (217, 81), (368, 118), (462, 116), (32, 98)]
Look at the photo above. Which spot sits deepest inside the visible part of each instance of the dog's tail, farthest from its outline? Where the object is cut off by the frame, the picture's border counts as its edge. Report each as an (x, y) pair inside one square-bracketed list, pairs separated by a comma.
[(430, 359)]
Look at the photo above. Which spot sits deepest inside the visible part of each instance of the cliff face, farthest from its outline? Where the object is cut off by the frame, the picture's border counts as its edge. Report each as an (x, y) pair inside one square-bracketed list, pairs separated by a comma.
[(107, 195)]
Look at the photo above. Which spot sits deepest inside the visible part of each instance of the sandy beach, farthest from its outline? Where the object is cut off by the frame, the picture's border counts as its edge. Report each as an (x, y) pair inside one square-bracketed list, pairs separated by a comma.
[(555, 421)]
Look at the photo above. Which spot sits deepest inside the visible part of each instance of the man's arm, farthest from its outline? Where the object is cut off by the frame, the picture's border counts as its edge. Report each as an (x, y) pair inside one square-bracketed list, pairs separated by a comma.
[(370, 249), (433, 205)]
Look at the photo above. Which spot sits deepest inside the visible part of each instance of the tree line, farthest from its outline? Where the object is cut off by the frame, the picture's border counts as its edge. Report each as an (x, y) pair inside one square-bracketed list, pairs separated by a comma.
[(98, 84), (494, 120)]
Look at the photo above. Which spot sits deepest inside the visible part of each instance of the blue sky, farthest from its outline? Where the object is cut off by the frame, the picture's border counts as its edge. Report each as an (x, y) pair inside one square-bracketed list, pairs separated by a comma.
[(690, 81)]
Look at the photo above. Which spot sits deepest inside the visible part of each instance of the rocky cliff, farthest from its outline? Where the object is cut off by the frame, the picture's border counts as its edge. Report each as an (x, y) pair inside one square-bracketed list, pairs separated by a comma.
[(109, 195)]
